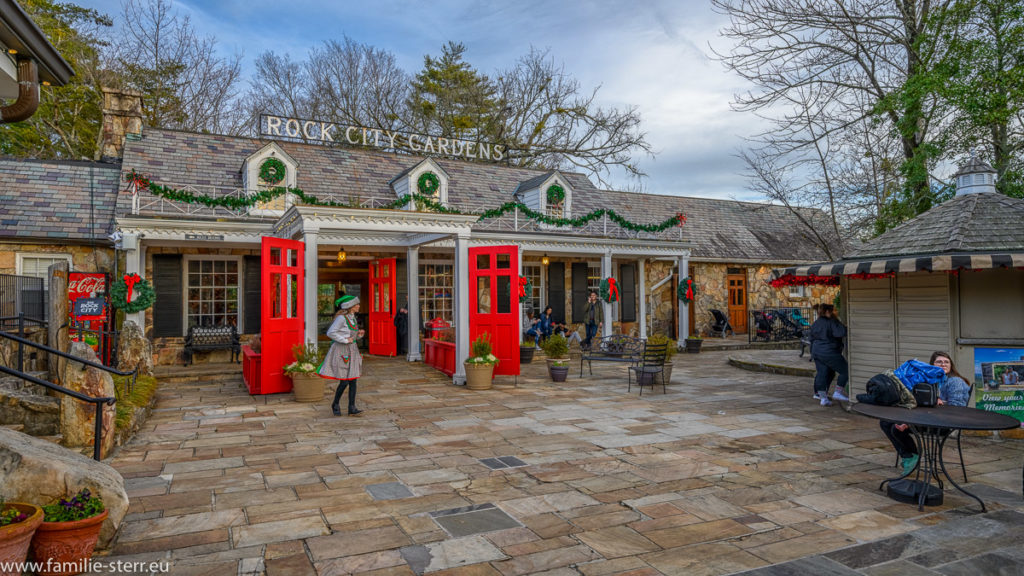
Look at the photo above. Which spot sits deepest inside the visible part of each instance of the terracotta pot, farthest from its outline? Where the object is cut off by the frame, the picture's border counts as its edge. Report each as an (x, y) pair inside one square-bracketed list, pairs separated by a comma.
[(307, 387), (14, 538), (69, 544), (478, 376), (526, 354)]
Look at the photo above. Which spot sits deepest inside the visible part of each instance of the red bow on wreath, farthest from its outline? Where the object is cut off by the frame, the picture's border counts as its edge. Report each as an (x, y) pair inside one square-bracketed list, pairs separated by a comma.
[(613, 291), (689, 289), (130, 280), (681, 218), (523, 281), (138, 180)]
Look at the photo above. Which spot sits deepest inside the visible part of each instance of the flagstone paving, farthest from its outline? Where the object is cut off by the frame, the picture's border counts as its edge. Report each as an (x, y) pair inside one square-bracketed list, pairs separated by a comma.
[(730, 470)]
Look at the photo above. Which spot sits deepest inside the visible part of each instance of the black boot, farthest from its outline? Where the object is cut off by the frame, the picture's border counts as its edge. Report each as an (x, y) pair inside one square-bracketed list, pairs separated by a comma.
[(353, 411), (336, 409)]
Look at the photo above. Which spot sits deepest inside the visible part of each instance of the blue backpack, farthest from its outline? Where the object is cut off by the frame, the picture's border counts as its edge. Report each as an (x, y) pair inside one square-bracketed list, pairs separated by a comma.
[(916, 372)]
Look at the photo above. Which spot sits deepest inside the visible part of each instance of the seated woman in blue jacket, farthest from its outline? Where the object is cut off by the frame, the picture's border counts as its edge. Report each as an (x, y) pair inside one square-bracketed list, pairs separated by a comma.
[(955, 391)]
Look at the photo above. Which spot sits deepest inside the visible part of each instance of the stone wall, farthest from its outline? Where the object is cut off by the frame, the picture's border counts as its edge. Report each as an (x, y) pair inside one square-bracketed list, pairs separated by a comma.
[(713, 292), (83, 258)]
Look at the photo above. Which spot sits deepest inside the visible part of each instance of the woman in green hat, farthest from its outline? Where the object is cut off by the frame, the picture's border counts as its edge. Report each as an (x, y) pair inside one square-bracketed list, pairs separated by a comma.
[(343, 361)]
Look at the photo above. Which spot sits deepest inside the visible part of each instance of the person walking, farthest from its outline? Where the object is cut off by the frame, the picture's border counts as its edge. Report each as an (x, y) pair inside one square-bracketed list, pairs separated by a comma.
[(954, 391), (343, 361), (402, 330), (826, 336), (593, 318)]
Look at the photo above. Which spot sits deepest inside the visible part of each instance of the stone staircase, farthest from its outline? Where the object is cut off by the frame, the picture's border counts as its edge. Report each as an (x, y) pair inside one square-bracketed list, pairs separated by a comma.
[(29, 405)]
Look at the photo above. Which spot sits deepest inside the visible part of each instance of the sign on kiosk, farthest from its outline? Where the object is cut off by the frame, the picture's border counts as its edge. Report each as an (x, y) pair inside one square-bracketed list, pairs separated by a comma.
[(87, 308)]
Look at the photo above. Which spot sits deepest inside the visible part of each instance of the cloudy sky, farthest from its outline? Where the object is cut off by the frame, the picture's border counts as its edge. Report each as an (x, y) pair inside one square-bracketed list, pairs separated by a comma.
[(652, 54)]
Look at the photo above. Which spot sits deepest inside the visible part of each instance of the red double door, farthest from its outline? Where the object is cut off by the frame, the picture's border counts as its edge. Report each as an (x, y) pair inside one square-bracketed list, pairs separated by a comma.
[(381, 308), (494, 302), (282, 281)]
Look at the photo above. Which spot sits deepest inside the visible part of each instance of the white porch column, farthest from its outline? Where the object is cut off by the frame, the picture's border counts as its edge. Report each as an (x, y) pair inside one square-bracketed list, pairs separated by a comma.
[(461, 305), (684, 308), (309, 308), (135, 263), (606, 271), (412, 259), (642, 270)]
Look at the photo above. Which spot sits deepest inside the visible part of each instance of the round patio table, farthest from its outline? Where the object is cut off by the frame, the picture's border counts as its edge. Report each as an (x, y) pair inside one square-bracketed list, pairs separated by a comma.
[(930, 428)]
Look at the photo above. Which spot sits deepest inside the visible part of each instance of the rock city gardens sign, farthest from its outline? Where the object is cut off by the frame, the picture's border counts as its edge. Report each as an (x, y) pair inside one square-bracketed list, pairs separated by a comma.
[(315, 131)]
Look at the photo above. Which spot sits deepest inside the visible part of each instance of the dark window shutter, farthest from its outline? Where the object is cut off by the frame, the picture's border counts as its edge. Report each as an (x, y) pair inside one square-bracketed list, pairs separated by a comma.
[(251, 296), (167, 310), (579, 290), (627, 292), (556, 290)]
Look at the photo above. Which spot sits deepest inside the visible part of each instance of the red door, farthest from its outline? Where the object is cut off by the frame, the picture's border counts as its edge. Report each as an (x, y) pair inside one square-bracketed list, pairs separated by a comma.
[(383, 339), (281, 313), (494, 305)]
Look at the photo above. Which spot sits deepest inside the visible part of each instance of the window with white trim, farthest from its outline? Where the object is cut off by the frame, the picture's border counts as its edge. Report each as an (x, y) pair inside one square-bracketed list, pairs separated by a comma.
[(212, 292), (534, 303), (797, 291), (594, 278), (37, 265)]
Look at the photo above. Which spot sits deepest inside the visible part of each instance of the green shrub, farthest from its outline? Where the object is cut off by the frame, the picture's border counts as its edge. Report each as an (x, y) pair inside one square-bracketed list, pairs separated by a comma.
[(127, 402), (659, 339), (556, 346)]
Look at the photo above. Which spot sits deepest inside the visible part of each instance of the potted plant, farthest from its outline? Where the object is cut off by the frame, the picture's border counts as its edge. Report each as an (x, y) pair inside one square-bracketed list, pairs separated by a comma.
[(18, 523), (556, 348), (670, 351), (480, 366), (307, 385), (68, 534), (526, 349), (693, 344)]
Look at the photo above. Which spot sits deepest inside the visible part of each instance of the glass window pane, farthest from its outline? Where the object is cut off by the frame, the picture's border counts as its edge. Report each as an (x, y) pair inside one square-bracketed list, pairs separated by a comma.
[(275, 256), (293, 296), (293, 257), (483, 294), (483, 261), (504, 261), (276, 306), (504, 294)]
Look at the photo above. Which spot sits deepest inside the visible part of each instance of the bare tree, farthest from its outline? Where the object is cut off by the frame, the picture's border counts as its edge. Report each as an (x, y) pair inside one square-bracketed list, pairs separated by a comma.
[(853, 62), (547, 121), (186, 85)]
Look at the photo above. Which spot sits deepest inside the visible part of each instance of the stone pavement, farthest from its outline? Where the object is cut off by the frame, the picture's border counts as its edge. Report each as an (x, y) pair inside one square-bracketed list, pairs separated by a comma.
[(728, 471)]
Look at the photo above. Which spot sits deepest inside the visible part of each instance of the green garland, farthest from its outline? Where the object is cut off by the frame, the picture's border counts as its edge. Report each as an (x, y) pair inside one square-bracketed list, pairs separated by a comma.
[(606, 294), (687, 290), (272, 171), (428, 183), (263, 196), (143, 293), (555, 194)]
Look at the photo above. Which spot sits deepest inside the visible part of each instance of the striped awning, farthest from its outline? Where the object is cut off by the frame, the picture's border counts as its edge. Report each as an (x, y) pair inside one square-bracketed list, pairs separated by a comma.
[(935, 263)]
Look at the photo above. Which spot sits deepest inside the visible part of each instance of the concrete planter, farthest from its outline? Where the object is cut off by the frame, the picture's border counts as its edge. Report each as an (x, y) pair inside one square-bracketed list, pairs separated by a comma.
[(307, 387), (479, 376)]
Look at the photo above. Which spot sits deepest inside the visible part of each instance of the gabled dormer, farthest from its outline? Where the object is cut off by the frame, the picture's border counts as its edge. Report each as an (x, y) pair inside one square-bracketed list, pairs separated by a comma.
[(426, 179), (269, 167), (549, 194)]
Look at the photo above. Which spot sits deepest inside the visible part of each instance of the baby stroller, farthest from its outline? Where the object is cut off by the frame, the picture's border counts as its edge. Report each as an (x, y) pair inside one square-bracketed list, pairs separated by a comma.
[(762, 326), (790, 329), (721, 324)]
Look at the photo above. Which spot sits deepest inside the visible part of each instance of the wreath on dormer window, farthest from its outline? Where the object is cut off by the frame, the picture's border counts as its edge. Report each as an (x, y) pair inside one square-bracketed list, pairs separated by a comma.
[(272, 171), (556, 194), (428, 183)]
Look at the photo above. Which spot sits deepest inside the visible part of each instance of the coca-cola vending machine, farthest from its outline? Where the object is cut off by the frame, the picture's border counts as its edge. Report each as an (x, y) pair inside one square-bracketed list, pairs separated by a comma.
[(89, 311)]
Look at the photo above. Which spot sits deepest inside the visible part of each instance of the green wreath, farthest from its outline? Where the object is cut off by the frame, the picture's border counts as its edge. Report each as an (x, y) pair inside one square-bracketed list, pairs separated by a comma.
[(555, 194), (687, 290), (142, 292), (428, 183), (526, 289), (272, 171), (609, 291)]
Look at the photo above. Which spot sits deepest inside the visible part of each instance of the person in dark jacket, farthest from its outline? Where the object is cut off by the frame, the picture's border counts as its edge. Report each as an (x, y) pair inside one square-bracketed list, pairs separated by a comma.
[(827, 334), (402, 329)]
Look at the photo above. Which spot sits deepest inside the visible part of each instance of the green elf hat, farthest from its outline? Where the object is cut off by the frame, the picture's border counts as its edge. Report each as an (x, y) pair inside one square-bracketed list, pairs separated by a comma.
[(346, 302)]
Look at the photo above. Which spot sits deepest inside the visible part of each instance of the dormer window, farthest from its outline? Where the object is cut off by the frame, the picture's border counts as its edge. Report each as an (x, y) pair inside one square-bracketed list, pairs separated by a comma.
[(555, 196), (269, 168), (425, 183)]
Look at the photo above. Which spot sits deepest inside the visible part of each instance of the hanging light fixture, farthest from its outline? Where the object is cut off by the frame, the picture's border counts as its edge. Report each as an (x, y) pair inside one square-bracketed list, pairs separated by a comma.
[(545, 260), (342, 256)]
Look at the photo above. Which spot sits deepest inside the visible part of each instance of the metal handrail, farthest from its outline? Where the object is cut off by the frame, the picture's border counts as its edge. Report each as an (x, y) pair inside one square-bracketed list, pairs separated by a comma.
[(134, 373), (98, 401), (21, 318)]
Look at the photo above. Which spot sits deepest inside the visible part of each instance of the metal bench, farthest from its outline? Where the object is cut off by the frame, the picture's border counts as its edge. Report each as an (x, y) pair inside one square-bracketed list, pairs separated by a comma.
[(200, 339), (614, 348)]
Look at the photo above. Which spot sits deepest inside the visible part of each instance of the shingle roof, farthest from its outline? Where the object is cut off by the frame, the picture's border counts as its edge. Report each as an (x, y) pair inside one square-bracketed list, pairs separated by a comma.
[(50, 199), (986, 222), (719, 229)]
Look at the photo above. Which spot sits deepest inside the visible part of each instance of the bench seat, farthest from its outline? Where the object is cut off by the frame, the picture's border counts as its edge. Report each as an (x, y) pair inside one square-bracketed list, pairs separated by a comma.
[(201, 339)]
